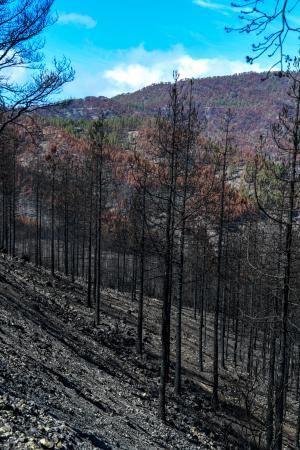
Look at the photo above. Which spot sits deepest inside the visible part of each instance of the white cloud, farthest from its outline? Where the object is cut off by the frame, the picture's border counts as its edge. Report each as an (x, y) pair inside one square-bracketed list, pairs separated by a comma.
[(77, 19), (15, 74), (157, 66), (207, 4), (133, 75), (120, 71)]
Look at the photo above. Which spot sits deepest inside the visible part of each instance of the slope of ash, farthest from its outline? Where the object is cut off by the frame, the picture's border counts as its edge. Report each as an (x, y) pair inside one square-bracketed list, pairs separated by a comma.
[(66, 385)]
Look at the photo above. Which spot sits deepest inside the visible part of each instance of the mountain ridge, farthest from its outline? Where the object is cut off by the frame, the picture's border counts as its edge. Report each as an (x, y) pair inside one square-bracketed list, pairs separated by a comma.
[(254, 98), (210, 90)]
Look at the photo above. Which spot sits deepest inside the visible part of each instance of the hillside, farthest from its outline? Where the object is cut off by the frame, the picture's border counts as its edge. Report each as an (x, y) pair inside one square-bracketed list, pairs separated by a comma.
[(88, 383), (86, 108), (65, 384), (254, 99)]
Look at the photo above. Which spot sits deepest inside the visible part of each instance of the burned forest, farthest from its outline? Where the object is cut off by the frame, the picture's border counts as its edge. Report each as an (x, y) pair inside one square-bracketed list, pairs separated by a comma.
[(149, 246)]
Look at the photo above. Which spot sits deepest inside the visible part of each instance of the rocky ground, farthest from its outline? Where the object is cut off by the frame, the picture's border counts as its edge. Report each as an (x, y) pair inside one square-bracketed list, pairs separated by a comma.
[(67, 385)]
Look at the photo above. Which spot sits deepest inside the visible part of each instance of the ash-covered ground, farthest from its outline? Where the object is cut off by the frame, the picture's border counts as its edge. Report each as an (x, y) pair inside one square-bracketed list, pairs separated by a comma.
[(65, 384)]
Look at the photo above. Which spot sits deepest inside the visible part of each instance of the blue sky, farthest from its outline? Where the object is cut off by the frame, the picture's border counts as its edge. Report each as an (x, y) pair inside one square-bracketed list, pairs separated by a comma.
[(120, 46)]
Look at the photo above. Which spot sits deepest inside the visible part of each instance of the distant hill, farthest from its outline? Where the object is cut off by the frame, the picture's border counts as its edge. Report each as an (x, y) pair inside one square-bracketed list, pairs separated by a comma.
[(254, 98), (86, 108)]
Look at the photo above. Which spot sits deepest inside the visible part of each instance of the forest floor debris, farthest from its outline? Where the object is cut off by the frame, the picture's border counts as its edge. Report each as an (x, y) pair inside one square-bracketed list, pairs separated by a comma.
[(66, 385)]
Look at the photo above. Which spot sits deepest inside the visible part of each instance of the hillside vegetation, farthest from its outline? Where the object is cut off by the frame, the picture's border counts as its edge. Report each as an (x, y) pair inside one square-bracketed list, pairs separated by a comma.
[(254, 98), (174, 207)]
